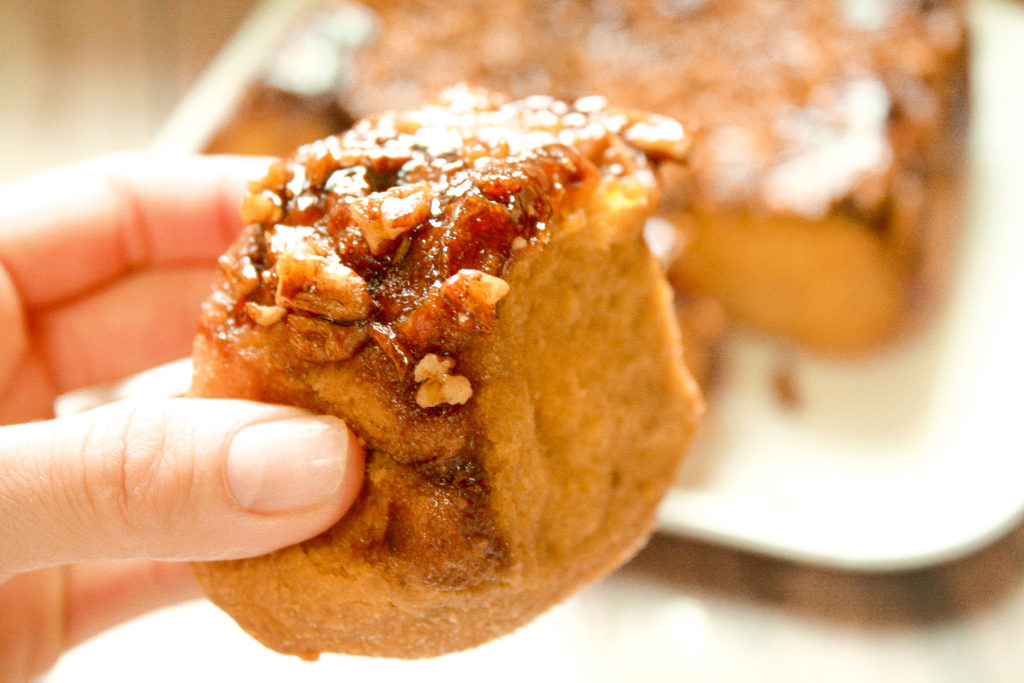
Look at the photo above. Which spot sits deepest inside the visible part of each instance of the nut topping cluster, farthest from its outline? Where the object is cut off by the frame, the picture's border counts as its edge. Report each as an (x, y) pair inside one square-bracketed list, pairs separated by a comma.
[(397, 232)]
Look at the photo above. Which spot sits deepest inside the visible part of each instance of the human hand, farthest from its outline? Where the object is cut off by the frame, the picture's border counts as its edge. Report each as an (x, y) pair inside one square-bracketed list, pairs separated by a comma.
[(102, 268)]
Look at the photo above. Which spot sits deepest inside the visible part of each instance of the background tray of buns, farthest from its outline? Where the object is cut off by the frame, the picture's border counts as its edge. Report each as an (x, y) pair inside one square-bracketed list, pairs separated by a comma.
[(898, 458)]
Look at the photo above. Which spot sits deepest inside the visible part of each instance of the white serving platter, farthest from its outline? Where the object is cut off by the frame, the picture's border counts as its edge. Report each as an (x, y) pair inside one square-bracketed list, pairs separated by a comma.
[(913, 457), (896, 461)]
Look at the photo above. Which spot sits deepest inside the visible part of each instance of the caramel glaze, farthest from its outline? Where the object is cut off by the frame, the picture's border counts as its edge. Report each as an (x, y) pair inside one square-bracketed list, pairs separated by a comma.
[(781, 87), (369, 250)]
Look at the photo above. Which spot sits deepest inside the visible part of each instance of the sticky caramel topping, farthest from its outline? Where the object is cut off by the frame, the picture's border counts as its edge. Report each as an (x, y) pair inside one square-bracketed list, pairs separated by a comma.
[(399, 230), (806, 103)]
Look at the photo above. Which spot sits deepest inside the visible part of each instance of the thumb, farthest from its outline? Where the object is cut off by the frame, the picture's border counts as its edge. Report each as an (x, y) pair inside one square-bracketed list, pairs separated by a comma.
[(171, 479)]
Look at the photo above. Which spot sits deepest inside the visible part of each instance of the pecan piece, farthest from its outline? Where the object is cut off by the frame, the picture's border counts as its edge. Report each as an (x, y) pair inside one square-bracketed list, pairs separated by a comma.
[(277, 176), (383, 217), (263, 315), (321, 159), (264, 207), (476, 293), (323, 286), (438, 385), (319, 341), (242, 277)]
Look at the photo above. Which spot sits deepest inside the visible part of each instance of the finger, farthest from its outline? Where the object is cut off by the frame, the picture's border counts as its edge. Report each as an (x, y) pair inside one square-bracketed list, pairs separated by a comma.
[(103, 594), (171, 479), (127, 327), (29, 393), (31, 610), (66, 231), (55, 609), (14, 342)]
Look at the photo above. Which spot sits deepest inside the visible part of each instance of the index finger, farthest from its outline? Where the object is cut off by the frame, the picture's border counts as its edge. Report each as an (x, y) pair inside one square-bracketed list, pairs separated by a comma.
[(70, 230)]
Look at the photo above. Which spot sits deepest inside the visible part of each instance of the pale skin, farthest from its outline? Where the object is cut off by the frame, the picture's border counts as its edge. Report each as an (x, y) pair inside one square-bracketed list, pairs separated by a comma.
[(103, 266)]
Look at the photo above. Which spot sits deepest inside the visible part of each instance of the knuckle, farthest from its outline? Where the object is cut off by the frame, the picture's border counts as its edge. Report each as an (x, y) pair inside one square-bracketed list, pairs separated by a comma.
[(131, 477)]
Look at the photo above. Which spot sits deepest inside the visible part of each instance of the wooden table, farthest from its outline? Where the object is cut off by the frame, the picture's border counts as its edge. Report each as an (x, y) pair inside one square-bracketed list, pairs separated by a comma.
[(681, 611), (84, 77)]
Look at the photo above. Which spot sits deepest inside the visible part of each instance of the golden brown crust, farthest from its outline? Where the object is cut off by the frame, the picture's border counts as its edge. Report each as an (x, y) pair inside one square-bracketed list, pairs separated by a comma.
[(466, 286)]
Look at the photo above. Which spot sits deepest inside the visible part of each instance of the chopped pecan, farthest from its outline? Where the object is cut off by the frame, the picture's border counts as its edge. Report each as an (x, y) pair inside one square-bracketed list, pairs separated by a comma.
[(323, 286), (319, 341), (429, 324), (263, 315), (461, 304), (351, 181), (476, 293), (438, 385), (264, 207), (385, 216), (242, 278), (277, 176), (321, 159)]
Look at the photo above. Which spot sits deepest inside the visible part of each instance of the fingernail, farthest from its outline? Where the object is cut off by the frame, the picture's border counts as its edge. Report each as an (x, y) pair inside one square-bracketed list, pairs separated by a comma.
[(287, 465)]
